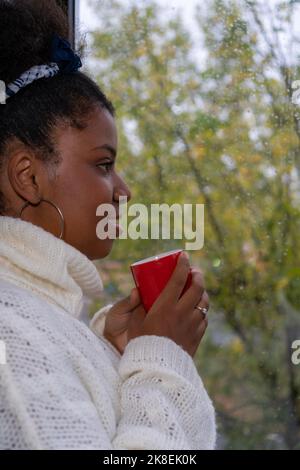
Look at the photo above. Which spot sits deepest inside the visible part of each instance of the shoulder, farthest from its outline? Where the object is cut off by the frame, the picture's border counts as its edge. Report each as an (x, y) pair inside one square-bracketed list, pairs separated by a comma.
[(23, 310), (27, 319), (18, 298), (24, 322)]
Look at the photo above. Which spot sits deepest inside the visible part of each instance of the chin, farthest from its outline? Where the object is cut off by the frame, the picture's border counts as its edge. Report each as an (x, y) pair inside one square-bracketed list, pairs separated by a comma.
[(102, 250)]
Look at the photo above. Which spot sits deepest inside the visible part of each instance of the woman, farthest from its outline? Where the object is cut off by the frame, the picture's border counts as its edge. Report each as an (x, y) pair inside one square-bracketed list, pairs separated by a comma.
[(128, 381)]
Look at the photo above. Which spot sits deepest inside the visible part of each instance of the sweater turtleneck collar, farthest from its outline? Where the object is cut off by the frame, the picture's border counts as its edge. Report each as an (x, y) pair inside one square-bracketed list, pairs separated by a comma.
[(33, 258)]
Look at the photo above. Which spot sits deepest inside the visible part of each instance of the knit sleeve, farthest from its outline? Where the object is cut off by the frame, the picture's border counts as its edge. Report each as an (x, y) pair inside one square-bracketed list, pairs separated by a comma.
[(97, 323), (53, 400), (164, 402), (46, 400)]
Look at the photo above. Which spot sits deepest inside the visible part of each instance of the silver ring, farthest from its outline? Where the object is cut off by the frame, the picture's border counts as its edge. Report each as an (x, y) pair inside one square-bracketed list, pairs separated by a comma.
[(203, 310)]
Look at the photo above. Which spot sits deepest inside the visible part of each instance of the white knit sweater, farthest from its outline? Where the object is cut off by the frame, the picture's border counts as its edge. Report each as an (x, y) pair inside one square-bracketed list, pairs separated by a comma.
[(64, 386)]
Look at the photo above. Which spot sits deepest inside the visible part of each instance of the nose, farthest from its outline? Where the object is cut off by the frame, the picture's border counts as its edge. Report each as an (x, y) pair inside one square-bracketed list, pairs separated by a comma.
[(122, 190)]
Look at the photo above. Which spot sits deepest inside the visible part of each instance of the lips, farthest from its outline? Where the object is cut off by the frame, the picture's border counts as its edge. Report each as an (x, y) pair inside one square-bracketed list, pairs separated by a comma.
[(114, 222)]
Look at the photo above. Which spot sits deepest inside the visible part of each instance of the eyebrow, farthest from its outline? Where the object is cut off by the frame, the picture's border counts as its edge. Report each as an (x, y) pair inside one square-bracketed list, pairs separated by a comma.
[(106, 147)]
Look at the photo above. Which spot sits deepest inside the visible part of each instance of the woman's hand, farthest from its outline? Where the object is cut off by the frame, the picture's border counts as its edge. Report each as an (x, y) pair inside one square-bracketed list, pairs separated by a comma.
[(173, 316), (117, 319), (170, 316)]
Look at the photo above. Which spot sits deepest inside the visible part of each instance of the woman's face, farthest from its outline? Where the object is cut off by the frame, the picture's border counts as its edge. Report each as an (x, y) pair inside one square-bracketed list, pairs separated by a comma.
[(85, 178)]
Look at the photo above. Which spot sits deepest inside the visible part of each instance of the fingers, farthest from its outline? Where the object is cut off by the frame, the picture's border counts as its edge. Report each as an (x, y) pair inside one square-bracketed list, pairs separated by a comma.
[(198, 331), (128, 303), (202, 328), (204, 303), (199, 318), (193, 295), (135, 298), (176, 283), (138, 316)]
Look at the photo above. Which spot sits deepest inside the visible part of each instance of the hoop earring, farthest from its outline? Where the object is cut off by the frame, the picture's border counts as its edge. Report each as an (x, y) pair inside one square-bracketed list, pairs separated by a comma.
[(62, 220)]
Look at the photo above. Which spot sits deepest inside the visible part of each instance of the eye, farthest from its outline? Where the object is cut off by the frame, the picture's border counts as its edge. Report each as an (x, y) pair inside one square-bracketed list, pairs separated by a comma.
[(108, 166)]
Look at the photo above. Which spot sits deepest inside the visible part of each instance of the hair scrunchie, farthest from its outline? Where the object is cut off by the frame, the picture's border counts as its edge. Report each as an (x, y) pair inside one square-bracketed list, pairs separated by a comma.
[(63, 60)]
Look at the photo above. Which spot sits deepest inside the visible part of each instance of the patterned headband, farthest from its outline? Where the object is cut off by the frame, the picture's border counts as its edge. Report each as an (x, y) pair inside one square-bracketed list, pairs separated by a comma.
[(63, 60)]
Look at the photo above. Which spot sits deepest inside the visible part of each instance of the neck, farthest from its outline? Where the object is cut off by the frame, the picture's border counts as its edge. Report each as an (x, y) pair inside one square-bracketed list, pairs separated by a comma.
[(36, 260)]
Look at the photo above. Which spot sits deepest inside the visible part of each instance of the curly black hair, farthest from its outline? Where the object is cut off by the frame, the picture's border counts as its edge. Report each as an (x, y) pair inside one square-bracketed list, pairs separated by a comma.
[(32, 115)]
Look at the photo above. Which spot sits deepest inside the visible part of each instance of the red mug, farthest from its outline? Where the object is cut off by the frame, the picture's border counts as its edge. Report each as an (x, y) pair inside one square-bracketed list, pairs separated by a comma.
[(152, 274)]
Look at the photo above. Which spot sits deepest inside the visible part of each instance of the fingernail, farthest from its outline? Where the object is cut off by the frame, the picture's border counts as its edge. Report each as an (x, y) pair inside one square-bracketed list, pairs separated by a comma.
[(184, 255)]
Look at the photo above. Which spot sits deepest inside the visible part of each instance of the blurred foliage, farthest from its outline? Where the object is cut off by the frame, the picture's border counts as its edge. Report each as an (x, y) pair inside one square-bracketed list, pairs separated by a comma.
[(219, 130)]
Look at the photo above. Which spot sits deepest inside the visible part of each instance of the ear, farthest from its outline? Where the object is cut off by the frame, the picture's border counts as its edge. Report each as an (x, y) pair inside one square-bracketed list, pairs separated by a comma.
[(23, 173)]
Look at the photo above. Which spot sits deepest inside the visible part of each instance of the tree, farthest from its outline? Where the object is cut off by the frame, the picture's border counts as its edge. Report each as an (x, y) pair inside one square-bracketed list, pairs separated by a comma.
[(224, 132)]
